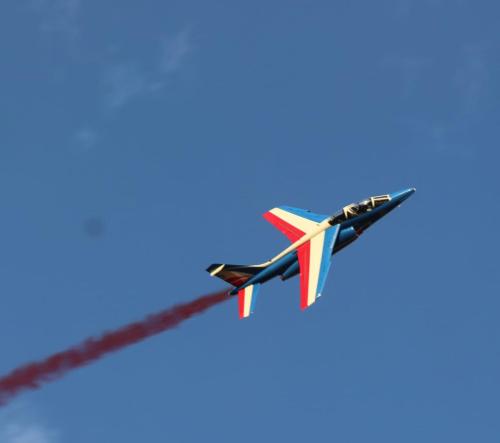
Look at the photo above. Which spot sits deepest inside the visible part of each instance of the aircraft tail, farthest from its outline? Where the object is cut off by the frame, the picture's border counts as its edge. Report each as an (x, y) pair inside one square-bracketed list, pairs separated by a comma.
[(235, 275), (246, 300)]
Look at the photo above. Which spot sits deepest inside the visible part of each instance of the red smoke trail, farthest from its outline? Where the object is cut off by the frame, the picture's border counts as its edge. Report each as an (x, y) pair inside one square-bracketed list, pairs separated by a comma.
[(32, 375)]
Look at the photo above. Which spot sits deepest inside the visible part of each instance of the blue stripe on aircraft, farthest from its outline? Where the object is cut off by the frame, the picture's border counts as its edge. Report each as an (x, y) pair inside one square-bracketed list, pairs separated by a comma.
[(305, 214), (326, 259), (254, 297), (266, 272)]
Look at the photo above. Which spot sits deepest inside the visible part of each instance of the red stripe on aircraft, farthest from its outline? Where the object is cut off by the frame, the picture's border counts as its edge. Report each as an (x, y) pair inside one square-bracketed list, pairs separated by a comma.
[(241, 302), (289, 230), (238, 280), (304, 253)]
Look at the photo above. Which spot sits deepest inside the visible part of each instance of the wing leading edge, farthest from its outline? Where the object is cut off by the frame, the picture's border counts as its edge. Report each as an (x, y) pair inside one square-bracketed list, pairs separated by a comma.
[(294, 222)]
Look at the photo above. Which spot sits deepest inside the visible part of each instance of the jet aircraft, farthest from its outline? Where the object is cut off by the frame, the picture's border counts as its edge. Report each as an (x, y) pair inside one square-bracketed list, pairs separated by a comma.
[(315, 238)]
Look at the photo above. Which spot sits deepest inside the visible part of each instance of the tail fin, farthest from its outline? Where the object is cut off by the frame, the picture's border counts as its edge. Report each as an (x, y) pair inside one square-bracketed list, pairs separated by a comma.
[(235, 275)]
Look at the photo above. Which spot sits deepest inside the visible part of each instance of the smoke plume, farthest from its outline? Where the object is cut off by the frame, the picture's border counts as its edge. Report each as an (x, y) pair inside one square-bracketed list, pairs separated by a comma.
[(33, 375)]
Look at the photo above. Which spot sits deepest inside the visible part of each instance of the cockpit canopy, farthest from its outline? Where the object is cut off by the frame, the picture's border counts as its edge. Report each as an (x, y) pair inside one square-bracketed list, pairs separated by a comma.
[(356, 209)]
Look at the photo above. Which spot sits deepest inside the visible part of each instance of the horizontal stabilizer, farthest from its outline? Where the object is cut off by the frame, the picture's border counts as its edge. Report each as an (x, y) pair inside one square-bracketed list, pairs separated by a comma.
[(246, 300)]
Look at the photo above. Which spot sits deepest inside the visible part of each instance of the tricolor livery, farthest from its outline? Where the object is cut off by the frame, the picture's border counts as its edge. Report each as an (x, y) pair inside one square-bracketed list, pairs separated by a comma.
[(315, 238)]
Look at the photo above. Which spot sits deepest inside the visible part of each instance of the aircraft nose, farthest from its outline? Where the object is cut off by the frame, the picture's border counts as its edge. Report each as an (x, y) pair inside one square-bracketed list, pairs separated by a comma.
[(400, 196)]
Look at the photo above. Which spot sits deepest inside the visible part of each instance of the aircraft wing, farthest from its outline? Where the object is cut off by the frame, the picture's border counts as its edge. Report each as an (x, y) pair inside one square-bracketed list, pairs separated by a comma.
[(293, 222), (314, 255), (314, 260)]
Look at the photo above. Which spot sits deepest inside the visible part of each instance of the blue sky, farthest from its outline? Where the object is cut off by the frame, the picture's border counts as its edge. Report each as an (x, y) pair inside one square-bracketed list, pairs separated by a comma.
[(141, 142)]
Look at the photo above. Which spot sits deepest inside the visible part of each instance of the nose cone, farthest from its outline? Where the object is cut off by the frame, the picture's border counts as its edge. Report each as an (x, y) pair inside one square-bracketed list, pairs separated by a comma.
[(400, 196)]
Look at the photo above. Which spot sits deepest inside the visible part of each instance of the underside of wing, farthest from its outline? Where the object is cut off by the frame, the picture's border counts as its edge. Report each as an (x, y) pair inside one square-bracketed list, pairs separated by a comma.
[(314, 261), (293, 222)]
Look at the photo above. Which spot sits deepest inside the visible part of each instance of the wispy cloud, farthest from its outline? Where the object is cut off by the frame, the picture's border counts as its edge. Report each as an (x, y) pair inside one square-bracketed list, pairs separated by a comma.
[(123, 83), (18, 425), (58, 16), (14, 433), (409, 69), (403, 9), (439, 135), (127, 81), (175, 50), (85, 139), (471, 77), (467, 84)]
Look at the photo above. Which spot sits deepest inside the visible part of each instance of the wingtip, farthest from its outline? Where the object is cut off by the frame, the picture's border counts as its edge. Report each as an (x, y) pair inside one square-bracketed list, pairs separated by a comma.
[(215, 269)]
